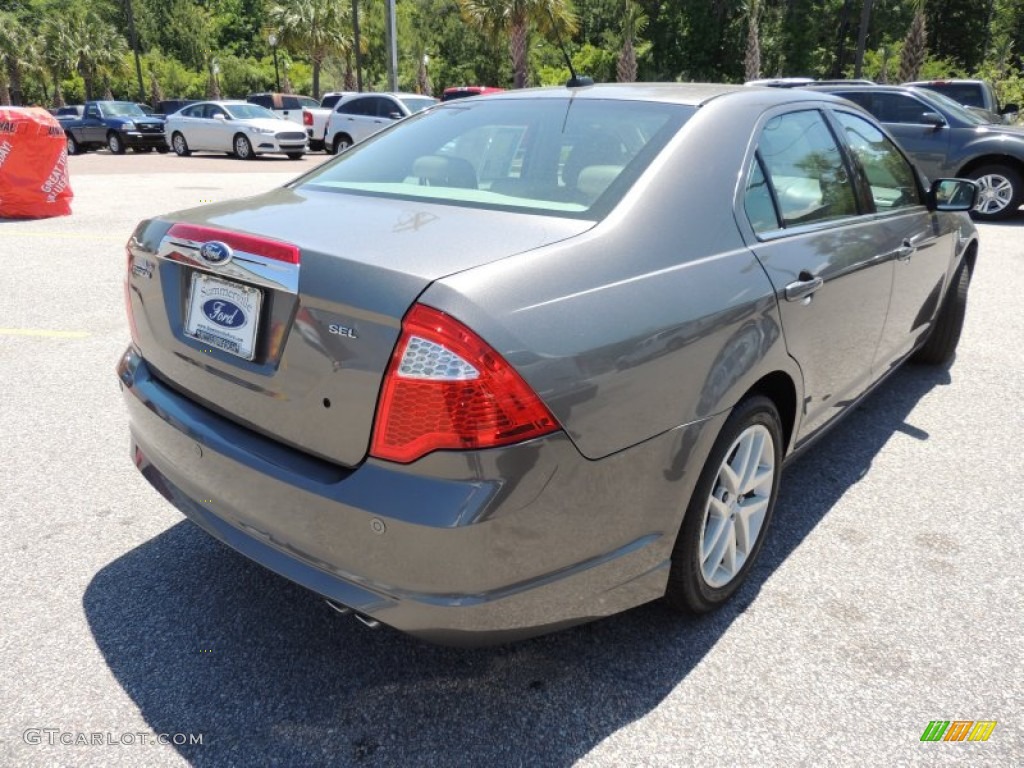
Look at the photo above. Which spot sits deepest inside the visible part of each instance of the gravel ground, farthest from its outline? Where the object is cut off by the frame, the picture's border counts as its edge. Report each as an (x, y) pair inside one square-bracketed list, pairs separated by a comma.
[(887, 595)]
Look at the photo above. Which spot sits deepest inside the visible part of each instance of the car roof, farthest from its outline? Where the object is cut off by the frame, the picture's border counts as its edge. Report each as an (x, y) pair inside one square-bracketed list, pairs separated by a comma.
[(687, 94)]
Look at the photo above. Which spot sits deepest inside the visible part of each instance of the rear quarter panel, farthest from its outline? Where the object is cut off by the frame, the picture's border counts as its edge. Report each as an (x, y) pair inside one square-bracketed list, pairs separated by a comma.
[(659, 316)]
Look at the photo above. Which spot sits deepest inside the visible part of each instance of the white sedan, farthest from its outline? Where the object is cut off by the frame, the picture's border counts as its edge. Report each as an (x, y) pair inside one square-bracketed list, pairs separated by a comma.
[(236, 127)]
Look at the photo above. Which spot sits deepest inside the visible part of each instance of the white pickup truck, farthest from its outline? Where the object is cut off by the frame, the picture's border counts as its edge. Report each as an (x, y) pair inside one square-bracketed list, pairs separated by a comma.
[(315, 118)]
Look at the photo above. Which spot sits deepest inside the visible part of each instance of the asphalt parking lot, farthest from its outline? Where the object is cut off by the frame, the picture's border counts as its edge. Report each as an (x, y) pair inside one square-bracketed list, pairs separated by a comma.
[(888, 594)]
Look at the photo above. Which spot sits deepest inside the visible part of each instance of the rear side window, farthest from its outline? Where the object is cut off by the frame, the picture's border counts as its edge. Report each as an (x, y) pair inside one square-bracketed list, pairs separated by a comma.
[(356, 107), (890, 177), (263, 100), (758, 201), (806, 169)]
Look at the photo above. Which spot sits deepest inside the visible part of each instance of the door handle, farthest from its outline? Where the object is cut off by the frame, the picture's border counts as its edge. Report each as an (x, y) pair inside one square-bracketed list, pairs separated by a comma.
[(804, 287), (905, 251)]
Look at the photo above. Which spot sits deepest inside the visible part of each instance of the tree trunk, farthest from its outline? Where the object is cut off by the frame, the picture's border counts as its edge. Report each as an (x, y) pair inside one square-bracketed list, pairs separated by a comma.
[(316, 78), (626, 66), (517, 48), (14, 81), (915, 49), (752, 60), (862, 37)]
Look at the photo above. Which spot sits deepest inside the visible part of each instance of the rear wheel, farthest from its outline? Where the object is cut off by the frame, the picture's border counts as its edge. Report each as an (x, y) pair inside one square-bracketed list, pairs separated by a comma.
[(115, 144), (729, 512), (342, 142), (295, 155), (945, 333), (1000, 193), (243, 149), (315, 146), (180, 145), (73, 146)]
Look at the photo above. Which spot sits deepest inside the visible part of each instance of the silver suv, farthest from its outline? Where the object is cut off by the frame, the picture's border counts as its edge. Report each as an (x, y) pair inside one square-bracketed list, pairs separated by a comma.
[(363, 114)]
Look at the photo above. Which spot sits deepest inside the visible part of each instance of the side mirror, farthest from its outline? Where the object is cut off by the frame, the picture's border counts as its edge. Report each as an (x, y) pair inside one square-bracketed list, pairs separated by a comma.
[(1009, 109), (934, 119), (396, 115), (219, 116), (952, 195)]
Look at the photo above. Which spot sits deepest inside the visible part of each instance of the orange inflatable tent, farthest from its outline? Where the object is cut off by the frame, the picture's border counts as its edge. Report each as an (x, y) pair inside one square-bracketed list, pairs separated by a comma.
[(34, 179)]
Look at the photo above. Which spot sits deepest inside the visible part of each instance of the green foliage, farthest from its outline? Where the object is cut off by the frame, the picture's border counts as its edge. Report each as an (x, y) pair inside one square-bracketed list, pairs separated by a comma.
[(62, 48)]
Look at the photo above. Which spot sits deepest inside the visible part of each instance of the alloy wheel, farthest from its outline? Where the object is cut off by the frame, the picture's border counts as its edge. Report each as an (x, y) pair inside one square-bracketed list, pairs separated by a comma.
[(735, 511), (995, 193)]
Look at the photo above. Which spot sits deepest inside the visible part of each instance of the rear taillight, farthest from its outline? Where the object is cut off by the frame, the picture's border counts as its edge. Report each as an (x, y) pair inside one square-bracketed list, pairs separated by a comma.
[(445, 388), (128, 293), (307, 117)]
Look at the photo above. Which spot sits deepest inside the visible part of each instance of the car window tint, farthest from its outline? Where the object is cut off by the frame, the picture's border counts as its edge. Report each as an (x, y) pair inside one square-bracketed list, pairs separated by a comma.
[(263, 101), (806, 169), (330, 101), (290, 102), (757, 201), (898, 108), (889, 175), (382, 107), (354, 107)]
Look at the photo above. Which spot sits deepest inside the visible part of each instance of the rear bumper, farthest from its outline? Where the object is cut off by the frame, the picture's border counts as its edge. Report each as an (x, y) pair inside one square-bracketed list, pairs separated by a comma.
[(457, 548)]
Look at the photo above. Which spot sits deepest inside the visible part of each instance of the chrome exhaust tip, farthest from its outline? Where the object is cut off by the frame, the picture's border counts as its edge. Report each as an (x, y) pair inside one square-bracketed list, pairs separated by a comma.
[(344, 610)]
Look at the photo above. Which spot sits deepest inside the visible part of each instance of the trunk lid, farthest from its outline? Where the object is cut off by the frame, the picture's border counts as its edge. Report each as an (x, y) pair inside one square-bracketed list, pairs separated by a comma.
[(324, 327)]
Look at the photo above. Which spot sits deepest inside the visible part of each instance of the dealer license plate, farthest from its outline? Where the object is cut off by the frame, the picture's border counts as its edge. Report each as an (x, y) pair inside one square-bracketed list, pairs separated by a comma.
[(224, 314)]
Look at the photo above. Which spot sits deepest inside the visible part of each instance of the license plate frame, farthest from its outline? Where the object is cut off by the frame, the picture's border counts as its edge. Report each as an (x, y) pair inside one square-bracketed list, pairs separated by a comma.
[(212, 315)]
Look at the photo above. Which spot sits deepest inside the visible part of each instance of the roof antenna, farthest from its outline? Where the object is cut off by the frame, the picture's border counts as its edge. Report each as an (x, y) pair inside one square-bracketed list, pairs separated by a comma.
[(576, 81)]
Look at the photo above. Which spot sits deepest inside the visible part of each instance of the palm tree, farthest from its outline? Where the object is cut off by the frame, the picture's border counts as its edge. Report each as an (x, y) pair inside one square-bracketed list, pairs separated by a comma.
[(633, 23), (13, 38), (514, 18), (320, 28), (97, 47), (57, 54), (915, 47), (862, 37)]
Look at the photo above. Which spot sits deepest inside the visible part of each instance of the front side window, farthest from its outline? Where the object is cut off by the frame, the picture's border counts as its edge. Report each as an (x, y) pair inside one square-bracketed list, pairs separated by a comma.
[(889, 176), (806, 169), (554, 156)]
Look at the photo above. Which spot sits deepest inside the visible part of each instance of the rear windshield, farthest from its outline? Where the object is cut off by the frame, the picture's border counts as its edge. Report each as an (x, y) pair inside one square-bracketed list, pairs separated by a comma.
[(414, 104), (561, 157)]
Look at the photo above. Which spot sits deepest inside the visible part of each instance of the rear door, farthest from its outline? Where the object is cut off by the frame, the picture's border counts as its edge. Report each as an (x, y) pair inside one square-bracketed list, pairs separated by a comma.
[(825, 256)]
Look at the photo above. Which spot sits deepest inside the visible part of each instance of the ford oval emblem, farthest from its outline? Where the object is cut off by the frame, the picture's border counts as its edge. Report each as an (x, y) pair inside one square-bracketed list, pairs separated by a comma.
[(215, 253), (224, 313)]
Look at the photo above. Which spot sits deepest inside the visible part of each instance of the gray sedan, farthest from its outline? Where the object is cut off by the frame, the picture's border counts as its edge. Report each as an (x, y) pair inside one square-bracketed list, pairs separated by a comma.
[(947, 139), (520, 362)]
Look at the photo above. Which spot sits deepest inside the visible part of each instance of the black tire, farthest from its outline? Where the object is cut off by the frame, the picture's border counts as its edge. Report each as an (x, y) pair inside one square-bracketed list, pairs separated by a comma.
[(944, 336), (688, 589), (142, 150), (1003, 179), (316, 146), (74, 148), (341, 142), (329, 148), (243, 147), (115, 143), (295, 155), (180, 145), (163, 150)]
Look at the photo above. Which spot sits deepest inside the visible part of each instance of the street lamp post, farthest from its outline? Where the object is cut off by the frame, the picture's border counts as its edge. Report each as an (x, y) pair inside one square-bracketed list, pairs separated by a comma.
[(277, 75)]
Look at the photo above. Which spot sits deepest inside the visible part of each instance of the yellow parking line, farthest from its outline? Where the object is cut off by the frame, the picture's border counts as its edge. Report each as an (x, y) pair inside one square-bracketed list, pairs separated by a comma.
[(43, 333)]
